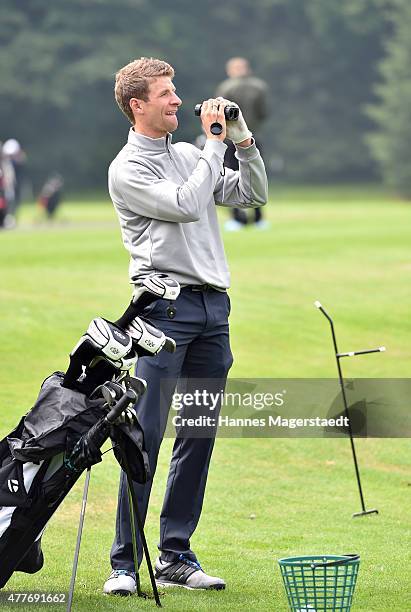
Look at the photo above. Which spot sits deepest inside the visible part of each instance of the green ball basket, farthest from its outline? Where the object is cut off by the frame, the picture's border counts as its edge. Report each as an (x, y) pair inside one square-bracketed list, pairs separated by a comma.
[(318, 583)]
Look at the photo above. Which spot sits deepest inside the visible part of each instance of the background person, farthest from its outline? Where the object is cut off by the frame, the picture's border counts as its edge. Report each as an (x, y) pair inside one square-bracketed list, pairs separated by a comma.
[(250, 93), (165, 195), (8, 187), (17, 158), (51, 194), (3, 201)]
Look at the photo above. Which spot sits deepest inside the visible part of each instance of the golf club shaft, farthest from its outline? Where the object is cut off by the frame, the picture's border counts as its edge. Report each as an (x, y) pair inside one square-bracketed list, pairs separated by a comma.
[(79, 534)]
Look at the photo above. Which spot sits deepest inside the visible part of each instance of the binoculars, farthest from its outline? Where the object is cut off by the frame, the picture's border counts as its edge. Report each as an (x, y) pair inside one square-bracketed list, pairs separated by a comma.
[(230, 112)]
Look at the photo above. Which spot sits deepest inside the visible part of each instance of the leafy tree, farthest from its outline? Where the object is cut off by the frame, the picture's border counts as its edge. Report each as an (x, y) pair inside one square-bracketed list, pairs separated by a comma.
[(391, 143)]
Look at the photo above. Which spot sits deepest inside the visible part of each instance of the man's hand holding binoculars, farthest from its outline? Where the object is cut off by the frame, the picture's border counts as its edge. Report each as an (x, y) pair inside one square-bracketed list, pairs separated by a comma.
[(223, 119), (213, 119), (237, 130)]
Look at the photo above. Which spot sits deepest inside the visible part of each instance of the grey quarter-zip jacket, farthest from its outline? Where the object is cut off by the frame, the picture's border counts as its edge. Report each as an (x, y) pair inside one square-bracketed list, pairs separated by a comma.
[(165, 196)]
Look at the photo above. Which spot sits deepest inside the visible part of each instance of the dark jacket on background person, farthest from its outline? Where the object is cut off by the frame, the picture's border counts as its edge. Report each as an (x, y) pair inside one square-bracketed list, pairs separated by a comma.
[(250, 93)]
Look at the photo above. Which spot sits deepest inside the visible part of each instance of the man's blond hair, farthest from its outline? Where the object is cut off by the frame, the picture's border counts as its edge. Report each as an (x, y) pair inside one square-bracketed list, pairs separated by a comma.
[(133, 81)]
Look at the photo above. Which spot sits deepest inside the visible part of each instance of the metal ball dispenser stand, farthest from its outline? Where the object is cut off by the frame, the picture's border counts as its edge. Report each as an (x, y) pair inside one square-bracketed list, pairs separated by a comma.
[(338, 357)]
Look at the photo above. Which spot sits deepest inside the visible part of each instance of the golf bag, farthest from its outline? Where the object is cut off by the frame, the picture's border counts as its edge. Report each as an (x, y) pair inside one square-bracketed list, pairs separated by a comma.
[(61, 436), (42, 459)]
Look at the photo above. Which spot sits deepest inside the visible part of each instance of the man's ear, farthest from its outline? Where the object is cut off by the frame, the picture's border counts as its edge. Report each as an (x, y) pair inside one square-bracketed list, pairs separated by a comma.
[(136, 106)]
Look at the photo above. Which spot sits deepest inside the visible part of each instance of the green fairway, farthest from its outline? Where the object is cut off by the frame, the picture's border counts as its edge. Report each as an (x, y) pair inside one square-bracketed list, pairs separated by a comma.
[(350, 248)]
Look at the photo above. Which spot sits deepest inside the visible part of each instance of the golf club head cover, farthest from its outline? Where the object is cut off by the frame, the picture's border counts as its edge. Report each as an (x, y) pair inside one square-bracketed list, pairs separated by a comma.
[(146, 291), (158, 285), (147, 339), (104, 348)]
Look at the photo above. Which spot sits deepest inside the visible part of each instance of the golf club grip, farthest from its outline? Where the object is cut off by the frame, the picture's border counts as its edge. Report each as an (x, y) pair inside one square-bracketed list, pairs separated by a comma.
[(130, 396), (338, 562), (99, 433)]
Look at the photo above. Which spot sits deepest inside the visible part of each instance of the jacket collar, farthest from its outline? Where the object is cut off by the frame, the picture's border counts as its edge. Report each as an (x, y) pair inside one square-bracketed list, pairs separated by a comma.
[(147, 144)]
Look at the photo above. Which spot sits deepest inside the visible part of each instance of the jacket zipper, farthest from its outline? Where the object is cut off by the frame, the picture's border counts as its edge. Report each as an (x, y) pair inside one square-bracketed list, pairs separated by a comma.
[(174, 163)]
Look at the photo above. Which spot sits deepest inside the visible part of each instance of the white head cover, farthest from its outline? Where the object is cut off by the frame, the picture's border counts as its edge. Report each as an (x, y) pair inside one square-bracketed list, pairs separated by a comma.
[(107, 342), (158, 284), (148, 337), (118, 347), (112, 341)]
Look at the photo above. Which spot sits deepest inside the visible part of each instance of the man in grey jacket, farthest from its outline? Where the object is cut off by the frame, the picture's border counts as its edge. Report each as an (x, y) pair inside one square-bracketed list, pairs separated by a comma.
[(165, 196)]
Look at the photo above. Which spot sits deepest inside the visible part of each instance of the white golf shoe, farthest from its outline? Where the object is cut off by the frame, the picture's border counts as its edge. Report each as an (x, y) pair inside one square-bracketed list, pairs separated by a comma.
[(120, 582)]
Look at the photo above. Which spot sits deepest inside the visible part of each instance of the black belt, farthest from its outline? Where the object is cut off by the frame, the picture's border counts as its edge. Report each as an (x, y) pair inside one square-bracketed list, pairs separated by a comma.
[(205, 287)]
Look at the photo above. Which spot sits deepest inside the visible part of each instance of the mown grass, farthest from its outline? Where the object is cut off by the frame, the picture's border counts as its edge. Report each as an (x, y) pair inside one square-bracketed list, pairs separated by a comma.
[(266, 498)]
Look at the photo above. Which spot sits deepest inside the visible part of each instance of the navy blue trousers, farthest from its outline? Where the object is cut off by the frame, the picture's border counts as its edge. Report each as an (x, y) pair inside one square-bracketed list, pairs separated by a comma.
[(200, 329)]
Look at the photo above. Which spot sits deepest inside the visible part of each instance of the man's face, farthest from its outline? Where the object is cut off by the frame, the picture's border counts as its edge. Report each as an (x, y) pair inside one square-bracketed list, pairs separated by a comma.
[(157, 116), (238, 67)]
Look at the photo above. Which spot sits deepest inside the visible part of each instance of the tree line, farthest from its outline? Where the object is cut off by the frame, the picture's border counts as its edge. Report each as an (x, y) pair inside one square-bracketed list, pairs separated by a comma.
[(338, 74)]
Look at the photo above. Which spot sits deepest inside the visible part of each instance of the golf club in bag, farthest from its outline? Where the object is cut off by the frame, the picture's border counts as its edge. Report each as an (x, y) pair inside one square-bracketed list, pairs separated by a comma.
[(75, 413), (339, 356)]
